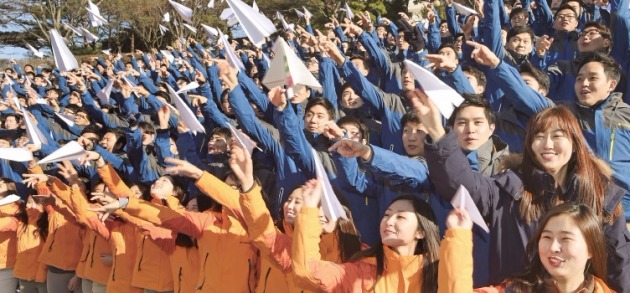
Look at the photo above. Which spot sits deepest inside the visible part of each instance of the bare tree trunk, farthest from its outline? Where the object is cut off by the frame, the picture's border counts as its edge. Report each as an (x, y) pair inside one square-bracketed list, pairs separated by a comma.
[(133, 42)]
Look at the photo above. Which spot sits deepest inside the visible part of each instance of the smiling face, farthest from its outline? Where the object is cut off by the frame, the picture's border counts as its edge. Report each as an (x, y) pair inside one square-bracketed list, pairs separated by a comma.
[(350, 100), (472, 127), (162, 188), (563, 250), (552, 149), (400, 227), (292, 206), (592, 85), (521, 44)]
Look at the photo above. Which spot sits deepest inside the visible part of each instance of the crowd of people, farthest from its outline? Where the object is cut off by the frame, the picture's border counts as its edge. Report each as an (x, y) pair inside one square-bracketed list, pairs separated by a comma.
[(541, 142)]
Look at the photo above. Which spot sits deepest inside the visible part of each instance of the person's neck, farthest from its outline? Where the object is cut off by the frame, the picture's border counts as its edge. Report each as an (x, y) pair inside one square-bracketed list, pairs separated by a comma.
[(570, 285), (405, 250)]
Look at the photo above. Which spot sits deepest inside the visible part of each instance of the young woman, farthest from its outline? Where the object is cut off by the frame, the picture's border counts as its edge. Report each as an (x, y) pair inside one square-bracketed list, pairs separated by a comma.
[(557, 166), (8, 240), (567, 253), (32, 231), (406, 259)]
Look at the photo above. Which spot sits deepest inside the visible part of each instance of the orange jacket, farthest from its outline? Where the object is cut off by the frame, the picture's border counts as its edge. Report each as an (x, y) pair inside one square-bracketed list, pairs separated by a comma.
[(29, 246), (123, 241), (8, 238), (456, 266), (402, 273), (229, 263)]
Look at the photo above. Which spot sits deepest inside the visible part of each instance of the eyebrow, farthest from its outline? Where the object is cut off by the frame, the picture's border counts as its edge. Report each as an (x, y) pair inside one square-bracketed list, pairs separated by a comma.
[(561, 232)]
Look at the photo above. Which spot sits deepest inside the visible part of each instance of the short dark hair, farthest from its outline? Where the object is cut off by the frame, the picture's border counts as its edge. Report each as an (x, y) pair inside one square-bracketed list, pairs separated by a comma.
[(520, 29), (518, 11), (92, 128), (478, 74), (447, 45), (471, 100), (146, 127), (540, 77), (222, 131), (164, 95), (365, 131), (409, 117), (611, 67), (565, 7), (120, 137), (330, 109)]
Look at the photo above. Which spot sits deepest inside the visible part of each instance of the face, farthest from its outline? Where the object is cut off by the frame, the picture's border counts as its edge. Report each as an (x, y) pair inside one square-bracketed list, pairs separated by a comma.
[(217, 145), (192, 205), (300, 94), (162, 188), (552, 149), (590, 40), (592, 85), (33, 206), (10, 123), (315, 118), (533, 83), (81, 118), (108, 141), (312, 64), (147, 137), (381, 32), (563, 250), (399, 226), (413, 139), (359, 64), (354, 133), (472, 128), (74, 99), (449, 53), (137, 192), (519, 20), (407, 81), (401, 43), (565, 20), (328, 226), (444, 30), (4, 187), (458, 44), (292, 206), (521, 44), (474, 82), (350, 100)]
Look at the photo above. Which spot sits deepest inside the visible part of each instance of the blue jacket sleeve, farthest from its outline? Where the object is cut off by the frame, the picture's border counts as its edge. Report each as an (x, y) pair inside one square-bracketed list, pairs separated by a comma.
[(458, 81), (327, 73), (399, 169), (451, 20), (524, 98), (255, 95), (294, 141), (163, 146), (434, 40)]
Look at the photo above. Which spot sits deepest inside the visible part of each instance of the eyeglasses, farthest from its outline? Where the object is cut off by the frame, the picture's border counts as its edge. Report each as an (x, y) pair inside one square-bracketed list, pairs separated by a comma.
[(589, 33), (520, 17), (564, 16)]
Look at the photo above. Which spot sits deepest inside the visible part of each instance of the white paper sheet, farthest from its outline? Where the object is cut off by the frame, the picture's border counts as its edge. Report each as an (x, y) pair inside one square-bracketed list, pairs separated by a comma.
[(444, 97), (70, 151), (330, 203), (463, 200)]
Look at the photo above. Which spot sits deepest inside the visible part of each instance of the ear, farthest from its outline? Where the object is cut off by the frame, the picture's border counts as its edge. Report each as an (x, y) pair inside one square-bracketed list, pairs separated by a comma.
[(612, 84), (543, 92), (419, 235), (492, 126), (606, 43)]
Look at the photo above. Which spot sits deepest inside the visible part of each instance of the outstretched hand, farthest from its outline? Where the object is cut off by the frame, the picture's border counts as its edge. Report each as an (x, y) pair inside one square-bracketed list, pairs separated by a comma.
[(352, 149), (182, 168), (483, 55), (242, 165), (108, 205), (312, 193), (459, 219)]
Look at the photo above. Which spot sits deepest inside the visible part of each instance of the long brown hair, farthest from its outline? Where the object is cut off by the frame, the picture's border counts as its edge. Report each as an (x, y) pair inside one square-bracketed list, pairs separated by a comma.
[(349, 240), (593, 175), (429, 246), (532, 278)]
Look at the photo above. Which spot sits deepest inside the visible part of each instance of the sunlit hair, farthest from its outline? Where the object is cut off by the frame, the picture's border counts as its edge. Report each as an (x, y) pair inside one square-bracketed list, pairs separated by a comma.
[(429, 246), (532, 278), (593, 175)]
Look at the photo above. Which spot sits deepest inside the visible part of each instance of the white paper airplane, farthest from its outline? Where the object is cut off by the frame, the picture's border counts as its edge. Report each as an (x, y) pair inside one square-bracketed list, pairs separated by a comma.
[(444, 97), (89, 36), (230, 55), (163, 29), (75, 30), (104, 93), (168, 55), (244, 140), (166, 17), (256, 26), (64, 60), (10, 198), (184, 12), (333, 209), (348, 11), (107, 52), (191, 28), (286, 26), (211, 4), (35, 52), (94, 15), (307, 13), (66, 118), (189, 87), (463, 10), (300, 14), (463, 200), (16, 154), (70, 151), (211, 32), (296, 76), (255, 6), (185, 113)]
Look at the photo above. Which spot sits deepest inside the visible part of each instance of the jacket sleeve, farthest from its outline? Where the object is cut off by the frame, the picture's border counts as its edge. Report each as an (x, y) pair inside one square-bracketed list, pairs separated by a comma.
[(621, 35), (255, 95), (434, 41), (451, 20), (219, 191), (113, 182), (262, 231), (400, 169), (79, 205), (349, 175), (294, 141), (328, 75), (618, 236), (491, 28), (458, 81), (455, 270)]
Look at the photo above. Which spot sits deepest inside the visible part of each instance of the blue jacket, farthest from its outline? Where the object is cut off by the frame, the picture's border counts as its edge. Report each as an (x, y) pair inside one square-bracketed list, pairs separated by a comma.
[(497, 199)]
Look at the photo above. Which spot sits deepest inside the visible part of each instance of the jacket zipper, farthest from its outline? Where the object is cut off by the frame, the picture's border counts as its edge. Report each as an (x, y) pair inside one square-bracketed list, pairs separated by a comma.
[(266, 277), (114, 268), (612, 145), (180, 280), (93, 248), (142, 255), (53, 240), (203, 270)]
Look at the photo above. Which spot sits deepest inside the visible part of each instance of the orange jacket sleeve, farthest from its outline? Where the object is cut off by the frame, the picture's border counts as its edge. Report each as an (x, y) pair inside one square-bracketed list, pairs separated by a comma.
[(455, 270), (265, 236), (79, 205), (8, 224), (113, 182), (224, 194)]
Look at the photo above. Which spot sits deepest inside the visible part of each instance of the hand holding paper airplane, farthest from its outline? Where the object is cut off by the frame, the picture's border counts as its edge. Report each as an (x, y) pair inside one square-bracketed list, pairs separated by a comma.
[(463, 200)]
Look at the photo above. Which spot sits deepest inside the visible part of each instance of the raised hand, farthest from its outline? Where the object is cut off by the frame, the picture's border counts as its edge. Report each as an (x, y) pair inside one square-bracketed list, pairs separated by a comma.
[(543, 44), (312, 193), (67, 170), (242, 165), (31, 180), (351, 149), (441, 62), (428, 113), (459, 219), (108, 205), (278, 98), (483, 55), (332, 130), (182, 168), (164, 114)]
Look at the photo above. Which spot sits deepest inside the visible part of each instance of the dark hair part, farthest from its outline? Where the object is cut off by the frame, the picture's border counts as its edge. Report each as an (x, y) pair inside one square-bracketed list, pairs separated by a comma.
[(471, 100), (478, 74), (540, 77), (611, 67), (532, 279), (330, 109), (519, 11), (409, 117), (520, 29), (363, 129), (429, 246)]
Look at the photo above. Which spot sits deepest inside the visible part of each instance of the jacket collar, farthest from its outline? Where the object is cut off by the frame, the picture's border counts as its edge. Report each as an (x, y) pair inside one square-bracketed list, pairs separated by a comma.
[(395, 262), (587, 286)]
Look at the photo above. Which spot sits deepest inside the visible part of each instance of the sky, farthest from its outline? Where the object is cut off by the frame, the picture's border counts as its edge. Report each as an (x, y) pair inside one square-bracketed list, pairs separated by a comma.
[(8, 52)]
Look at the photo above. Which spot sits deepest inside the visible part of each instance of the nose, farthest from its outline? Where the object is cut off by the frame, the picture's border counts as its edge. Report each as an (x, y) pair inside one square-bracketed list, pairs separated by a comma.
[(555, 246), (290, 205), (548, 143)]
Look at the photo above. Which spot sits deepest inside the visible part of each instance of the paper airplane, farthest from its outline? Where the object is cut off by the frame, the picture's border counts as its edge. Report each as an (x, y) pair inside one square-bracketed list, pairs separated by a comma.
[(184, 12), (104, 93), (168, 55), (9, 199), (349, 14), (189, 87), (185, 113), (89, 36), (64, 60), (244, 140), (463, 10), (300, 14), (255, 6), (166, 17), (256, 26), (75, 30), (286, 26), (94, 15), (34, 134), (307, 13), (35, 52), (211, 32), (16, 154), (463, 200), (211, 4), (163, 29), (191, 28), (333, 209), (286, 69), (107, 52), (279, 15), (444, 97), (66, 118), (231, 57), (70, 151)]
